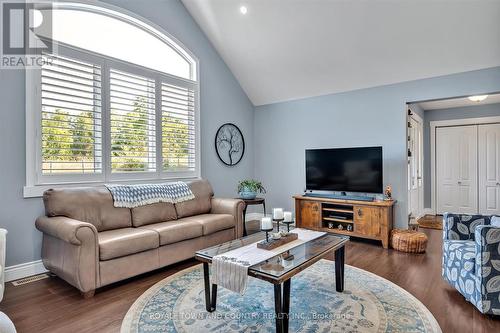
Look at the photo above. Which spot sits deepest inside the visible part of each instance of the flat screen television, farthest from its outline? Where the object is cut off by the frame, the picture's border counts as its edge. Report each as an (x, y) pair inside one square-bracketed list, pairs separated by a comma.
[(345, 169)]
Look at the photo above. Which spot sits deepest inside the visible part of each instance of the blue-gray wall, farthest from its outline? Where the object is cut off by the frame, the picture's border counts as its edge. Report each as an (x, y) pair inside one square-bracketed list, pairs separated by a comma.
[(477, 111), (222, 100), (367, 117)]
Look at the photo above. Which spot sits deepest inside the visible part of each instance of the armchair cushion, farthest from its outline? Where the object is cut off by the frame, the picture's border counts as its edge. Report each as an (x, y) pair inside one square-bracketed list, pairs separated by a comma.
[(459, 265), (122, 242)]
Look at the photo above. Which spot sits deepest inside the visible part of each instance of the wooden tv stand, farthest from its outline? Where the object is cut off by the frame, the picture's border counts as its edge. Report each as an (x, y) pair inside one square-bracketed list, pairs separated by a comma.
[(369, 219)]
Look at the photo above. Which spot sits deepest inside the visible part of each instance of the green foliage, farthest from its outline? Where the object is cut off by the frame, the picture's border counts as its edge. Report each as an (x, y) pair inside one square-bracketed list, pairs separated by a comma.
[(175, 143), (252, 185), (129, 138), (67, 143)]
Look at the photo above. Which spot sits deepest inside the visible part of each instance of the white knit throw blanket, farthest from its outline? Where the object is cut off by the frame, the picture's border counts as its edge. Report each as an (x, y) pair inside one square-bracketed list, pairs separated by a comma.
[(230, 269), (131, 196)]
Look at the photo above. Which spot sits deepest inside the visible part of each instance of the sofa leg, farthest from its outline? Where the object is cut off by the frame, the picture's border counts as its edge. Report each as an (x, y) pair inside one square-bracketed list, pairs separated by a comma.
[(88, 294)]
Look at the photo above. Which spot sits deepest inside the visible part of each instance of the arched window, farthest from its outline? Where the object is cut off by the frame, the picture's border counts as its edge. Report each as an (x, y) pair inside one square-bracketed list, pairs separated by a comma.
[(117, 100)]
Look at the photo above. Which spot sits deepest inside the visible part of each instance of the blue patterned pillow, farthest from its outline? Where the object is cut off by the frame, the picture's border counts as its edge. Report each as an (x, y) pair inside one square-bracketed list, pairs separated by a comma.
[(495, 221)]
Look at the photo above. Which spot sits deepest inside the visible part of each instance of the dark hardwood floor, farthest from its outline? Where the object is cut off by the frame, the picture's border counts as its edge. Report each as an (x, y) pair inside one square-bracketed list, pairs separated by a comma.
[(51, 305)]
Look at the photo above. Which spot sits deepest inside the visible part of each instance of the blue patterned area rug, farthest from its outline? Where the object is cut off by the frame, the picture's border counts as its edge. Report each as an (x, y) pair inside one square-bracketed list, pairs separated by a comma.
[(369, 303)]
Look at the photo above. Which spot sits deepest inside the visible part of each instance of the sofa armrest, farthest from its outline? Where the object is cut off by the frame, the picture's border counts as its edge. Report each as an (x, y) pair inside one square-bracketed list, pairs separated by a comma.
[(64, 228), (233, 207), (70, 250), (462, 226), (487, 240)]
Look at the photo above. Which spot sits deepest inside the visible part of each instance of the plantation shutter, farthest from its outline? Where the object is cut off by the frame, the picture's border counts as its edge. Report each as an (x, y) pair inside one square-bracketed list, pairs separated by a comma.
[(132, 117), (71, 123), (178, 128)]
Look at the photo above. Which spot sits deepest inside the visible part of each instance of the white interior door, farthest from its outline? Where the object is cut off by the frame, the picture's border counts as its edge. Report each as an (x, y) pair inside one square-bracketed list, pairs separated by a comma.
[(489, 169), (456, 169), (415, 167)]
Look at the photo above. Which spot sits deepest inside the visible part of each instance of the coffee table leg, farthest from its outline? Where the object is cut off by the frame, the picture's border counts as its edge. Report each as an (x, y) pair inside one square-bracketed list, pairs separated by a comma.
[(339, 269), (286, 304), (282, 306), (210, 302), (278, 308)]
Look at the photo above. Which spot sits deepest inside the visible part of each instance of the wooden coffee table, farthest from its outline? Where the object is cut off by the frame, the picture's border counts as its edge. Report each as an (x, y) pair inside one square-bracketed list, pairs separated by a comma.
[(279, 269)]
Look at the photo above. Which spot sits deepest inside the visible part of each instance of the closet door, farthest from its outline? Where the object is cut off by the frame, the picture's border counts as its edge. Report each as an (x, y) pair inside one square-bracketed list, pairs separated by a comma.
[(456, 169), (489, 169)]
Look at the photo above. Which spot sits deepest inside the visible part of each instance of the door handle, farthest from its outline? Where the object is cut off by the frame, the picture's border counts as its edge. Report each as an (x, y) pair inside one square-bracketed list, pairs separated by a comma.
[(498, 184), (360, 212), (459, 183)]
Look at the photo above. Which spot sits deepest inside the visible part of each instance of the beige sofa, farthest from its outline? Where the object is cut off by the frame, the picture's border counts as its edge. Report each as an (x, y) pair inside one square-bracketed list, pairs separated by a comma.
[(89, 243)]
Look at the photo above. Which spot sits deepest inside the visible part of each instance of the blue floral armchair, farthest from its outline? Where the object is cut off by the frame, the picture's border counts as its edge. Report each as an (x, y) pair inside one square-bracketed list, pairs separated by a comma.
[(471, 259)]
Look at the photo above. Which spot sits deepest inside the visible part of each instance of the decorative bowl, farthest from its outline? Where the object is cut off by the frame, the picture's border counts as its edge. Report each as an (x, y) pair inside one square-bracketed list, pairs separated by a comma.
[(248, 195)]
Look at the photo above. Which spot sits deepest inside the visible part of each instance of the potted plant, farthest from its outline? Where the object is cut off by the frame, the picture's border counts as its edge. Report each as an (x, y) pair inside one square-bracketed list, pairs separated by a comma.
[(249, 188)]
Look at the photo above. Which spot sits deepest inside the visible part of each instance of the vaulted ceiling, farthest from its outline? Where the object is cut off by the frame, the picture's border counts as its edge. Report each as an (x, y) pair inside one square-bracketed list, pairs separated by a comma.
[(289, 49)]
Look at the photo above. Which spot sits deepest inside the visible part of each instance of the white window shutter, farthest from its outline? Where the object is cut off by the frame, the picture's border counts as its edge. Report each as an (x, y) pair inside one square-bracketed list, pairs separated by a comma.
[(178, 128), (133, 125), (71, 122)]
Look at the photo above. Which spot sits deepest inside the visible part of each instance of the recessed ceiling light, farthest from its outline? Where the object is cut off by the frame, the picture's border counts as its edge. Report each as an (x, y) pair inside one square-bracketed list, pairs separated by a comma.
[(243, 10), (478, 98)]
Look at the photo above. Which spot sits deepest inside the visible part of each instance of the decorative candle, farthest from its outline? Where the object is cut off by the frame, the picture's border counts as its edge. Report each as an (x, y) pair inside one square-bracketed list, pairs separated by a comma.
[(266, 223), (278, 213), (287, 216)]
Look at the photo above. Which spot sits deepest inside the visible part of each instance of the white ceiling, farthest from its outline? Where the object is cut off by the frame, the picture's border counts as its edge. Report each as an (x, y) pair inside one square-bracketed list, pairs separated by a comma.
[(457, 102), (288, 49)]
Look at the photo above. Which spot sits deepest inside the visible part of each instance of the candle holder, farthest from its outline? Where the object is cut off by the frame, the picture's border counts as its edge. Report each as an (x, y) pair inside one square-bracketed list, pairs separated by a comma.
[(278, 223), (288, 225), (267, 233)]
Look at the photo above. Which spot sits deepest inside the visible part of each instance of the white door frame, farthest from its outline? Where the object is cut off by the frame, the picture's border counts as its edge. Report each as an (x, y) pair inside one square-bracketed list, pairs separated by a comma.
[(418, 119), (448, 123)]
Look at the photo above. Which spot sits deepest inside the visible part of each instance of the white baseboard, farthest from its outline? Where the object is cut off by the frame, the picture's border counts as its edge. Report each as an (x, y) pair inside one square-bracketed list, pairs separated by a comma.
[(24, 270)]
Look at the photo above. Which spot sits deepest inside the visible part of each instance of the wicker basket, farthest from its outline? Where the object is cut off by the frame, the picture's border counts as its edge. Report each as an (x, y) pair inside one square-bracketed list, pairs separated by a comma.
[(408, 241)]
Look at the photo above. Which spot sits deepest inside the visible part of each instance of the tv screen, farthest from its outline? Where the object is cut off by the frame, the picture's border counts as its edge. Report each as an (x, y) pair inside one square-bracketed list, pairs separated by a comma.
[(345, 169)]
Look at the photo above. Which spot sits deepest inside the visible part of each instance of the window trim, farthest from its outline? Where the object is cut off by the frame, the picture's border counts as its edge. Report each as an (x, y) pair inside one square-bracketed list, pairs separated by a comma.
[(37, 184)]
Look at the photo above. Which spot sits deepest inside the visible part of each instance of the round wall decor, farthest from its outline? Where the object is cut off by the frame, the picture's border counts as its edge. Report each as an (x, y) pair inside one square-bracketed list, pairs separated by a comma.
[(229, 144)]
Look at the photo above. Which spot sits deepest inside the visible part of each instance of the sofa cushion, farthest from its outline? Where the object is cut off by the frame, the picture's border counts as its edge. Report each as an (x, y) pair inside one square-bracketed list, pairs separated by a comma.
[(122, 242), (88, 204), (201, 204), (175, 231), (154, 213), (211, 223)]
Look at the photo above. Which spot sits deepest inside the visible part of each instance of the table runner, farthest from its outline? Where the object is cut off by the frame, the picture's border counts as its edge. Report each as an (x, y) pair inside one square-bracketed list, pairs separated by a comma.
[(230, 269)]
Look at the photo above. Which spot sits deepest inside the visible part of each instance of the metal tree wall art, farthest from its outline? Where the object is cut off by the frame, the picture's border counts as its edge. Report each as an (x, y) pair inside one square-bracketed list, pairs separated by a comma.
[(229, 144)]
